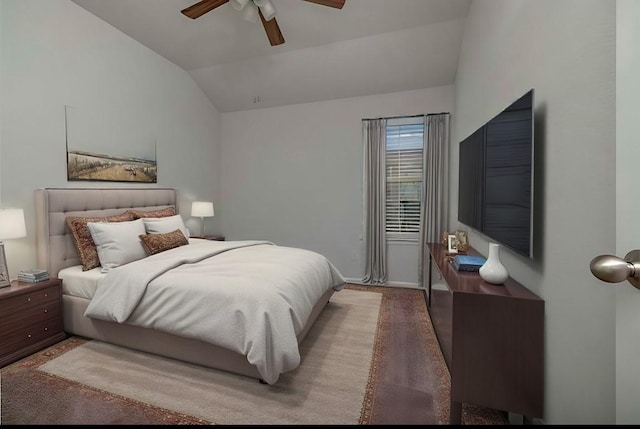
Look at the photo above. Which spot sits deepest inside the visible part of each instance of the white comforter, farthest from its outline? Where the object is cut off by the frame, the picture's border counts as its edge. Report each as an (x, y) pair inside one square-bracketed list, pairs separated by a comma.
[(252, 297)]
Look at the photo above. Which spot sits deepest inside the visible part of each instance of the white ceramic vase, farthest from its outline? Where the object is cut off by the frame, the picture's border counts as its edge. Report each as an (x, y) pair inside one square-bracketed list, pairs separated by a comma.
[(493, 271)]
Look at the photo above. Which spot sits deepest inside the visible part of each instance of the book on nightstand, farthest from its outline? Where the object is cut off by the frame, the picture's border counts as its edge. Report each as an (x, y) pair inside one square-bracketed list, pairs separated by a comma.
[(33, 276), (468, 262)]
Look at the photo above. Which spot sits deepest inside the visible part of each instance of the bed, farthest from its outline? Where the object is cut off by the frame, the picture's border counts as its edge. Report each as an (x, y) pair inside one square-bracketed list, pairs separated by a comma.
[(237, 306)]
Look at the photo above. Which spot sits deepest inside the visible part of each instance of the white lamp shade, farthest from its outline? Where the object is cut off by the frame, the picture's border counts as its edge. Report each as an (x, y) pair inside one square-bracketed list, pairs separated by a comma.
[(12, 224), (202, 209), (268, 10)]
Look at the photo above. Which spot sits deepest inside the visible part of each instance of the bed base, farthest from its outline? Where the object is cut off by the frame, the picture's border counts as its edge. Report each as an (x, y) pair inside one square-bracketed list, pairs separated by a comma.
[(164, 344)]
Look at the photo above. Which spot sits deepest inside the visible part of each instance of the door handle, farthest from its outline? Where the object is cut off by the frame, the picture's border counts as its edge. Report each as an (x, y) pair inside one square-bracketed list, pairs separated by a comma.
[(613, 269)]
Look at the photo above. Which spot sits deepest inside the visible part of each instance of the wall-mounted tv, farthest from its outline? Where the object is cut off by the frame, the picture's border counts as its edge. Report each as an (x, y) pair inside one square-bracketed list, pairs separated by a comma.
[(495, 194)]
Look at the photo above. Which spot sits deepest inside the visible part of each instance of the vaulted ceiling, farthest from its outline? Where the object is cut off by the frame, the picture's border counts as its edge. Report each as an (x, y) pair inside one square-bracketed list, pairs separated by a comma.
[(367, 47)]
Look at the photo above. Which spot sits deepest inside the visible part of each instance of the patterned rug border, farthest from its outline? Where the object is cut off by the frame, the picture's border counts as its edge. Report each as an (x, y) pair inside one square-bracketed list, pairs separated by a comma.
[(431, 345), (471, 414), (33, 362), (369, 394)]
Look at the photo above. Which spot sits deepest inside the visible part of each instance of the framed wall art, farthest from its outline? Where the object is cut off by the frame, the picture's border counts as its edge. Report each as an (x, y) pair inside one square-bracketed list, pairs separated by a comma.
[(103, 148)]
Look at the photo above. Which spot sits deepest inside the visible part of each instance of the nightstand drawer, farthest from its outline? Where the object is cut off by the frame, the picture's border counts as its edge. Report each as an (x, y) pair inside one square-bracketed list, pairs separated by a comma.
[(30, 334), (23, 302), (28, 316)]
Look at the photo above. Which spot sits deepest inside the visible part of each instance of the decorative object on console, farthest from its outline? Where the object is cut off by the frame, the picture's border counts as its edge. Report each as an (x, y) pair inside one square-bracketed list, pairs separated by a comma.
[(12, 225), (202, 209), (444, 238), (451, 244), (468, 262), (493, 271), (462, 241)]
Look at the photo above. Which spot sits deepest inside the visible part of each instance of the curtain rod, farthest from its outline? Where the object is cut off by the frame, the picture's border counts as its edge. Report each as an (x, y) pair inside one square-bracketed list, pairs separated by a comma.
[(407, 116)]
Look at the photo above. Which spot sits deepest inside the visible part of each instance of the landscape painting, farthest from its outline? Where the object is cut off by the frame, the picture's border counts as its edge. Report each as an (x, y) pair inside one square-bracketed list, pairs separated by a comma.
[(109, 144), (90, 166)]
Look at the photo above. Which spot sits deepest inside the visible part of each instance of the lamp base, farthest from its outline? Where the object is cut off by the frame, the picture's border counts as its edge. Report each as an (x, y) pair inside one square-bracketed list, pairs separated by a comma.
[(4, 270)]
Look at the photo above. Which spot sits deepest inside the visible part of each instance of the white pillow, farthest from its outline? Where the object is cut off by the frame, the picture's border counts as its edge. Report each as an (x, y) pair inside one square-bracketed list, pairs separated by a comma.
[(163, 225), (118, 243)]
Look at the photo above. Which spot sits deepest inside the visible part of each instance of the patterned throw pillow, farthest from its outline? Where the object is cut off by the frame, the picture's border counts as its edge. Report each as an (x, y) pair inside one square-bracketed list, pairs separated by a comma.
[(82, 237), (169, 211), (156, 243)]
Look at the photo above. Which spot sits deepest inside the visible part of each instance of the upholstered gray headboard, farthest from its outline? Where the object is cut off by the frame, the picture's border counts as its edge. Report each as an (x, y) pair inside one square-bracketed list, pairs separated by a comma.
[(54, 242)]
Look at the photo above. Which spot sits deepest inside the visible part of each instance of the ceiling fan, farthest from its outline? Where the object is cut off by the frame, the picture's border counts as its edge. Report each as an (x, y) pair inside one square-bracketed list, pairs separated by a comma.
[(252, 9)]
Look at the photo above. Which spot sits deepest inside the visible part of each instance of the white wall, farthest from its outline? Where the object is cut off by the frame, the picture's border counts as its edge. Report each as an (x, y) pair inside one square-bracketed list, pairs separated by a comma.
[(55, 53), (627, 209), (565, 49), (293, 175)]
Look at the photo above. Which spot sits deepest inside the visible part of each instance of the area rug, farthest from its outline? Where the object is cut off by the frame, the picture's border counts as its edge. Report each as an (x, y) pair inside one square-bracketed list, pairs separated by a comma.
[(408, 382), (336, 358)]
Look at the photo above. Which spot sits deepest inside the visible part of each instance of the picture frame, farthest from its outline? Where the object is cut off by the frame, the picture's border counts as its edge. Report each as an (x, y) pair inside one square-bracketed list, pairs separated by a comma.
[(462, 240), (4, 271), (444, 238), (452, 244), (129, 154)]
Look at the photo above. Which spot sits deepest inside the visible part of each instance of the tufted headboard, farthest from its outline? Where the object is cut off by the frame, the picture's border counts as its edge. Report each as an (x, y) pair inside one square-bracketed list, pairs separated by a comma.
[(54, 242)]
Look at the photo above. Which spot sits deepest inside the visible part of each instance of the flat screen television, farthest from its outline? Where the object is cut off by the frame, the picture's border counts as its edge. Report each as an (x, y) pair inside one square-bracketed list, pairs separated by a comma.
[(495, 194)]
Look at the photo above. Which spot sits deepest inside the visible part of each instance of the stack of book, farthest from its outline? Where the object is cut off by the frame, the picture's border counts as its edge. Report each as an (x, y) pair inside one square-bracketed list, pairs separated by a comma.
[(33, 276), (468, 262)]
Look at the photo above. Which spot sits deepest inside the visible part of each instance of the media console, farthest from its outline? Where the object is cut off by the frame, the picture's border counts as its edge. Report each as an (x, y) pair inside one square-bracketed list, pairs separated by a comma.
[(491, 336)]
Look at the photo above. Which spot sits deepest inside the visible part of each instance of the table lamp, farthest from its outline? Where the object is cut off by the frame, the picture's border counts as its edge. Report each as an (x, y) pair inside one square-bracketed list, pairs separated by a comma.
[(12, 225), (202, 209)]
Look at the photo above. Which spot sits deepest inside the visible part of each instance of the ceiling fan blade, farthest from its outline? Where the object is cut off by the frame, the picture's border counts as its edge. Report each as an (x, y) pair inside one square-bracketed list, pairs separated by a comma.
[(197, 10), (273, 30), (331, 3)]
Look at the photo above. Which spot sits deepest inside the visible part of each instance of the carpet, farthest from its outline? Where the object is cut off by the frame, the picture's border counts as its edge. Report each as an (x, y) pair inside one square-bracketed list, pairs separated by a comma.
[(333, 375)]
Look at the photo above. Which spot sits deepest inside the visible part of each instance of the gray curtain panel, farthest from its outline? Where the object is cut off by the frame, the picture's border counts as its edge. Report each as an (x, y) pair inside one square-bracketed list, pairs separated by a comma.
[(435, 198), (375, 141)]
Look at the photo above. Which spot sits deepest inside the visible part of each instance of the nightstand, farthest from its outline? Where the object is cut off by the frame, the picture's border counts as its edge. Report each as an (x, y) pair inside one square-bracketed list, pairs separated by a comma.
[(211, 237), (30, 318)]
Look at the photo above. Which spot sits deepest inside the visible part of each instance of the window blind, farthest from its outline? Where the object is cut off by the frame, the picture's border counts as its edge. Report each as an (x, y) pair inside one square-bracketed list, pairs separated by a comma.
[(404, 179)]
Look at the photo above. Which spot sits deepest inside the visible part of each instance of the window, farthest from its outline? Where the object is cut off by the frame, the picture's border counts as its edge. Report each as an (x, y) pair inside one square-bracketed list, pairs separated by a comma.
[(405, 143)]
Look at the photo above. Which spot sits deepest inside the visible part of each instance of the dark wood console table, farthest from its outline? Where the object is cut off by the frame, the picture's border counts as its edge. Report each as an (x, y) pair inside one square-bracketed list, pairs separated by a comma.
[(491, 336)]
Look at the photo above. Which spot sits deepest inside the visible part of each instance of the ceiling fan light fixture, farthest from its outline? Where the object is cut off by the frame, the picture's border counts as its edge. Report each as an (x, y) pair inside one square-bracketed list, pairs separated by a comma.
[(260, 3), (239, 4), (250, 13), (268, 10)]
